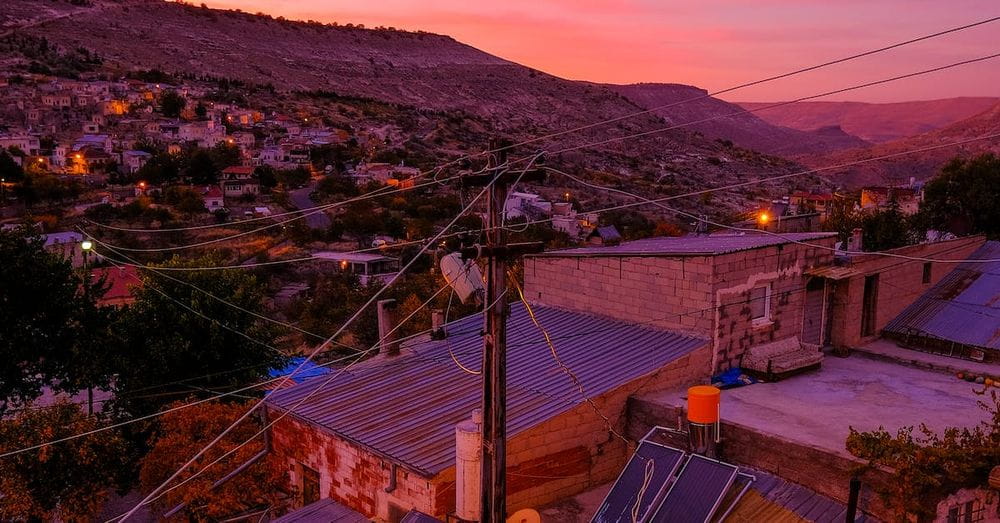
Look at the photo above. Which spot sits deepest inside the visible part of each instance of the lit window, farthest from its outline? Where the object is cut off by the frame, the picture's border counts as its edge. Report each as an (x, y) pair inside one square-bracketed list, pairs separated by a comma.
[(759, 301)]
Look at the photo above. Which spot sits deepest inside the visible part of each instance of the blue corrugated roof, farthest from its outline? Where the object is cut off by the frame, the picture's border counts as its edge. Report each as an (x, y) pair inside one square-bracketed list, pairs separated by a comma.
[(692, 245), (310, 370), (406, 407), (325, 510), (963, 307)]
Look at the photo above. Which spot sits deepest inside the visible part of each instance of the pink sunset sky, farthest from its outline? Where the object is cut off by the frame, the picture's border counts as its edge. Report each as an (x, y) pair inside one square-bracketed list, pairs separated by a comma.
[(713, 44)]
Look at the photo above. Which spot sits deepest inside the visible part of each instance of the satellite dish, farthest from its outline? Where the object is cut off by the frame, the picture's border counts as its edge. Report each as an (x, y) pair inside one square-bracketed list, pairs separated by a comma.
[(525, 515), (463, 276)]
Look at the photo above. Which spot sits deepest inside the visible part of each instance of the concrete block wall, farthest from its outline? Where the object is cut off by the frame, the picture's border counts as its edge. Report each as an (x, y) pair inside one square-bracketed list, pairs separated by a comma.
[(667, 292), (900, 284), (568, 454), (735, 274), (575, 451)]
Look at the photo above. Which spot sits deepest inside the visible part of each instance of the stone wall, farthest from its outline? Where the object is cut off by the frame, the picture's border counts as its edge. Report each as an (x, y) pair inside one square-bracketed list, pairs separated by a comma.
[(668, 292), (900, 284), (735, 274), (570, 453)]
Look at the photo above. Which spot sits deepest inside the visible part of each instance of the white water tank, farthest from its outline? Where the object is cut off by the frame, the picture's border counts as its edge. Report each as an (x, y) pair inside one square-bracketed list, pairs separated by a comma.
[(468, 466)]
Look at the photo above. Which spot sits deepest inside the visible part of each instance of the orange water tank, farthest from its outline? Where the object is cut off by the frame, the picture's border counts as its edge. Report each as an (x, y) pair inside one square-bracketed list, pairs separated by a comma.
[(703, 404)]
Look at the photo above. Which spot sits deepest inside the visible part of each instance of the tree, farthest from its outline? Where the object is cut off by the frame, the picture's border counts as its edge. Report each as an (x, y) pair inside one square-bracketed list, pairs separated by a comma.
[(927, 466), (68, 481), (181, 433), (161, 167), (49, 317), (224, 155), (963, 197), (173, 332), (185, 200), (171, 104), (200, 111), (202, 169), (9, 169), (267, 176), (886, 229)]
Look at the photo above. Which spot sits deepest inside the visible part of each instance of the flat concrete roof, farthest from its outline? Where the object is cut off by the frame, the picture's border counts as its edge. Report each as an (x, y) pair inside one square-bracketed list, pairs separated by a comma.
[(817, 408)]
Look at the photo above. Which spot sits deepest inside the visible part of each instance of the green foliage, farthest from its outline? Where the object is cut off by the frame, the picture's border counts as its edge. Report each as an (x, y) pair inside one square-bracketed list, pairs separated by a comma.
[(185, 199), (201, 168), (336, 185), (169, 339), (267, 176), (886, 229), (927, 466), (201, 111), (47, 58), (49, 318), (964, 197), (9, 169), (631, 224), (171, 104), (292, 178), (161, 167), (69, 481)]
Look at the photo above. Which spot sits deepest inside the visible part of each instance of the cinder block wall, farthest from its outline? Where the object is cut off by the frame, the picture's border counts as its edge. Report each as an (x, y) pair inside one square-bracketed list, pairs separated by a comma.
[(668, 292), (575, 451), (735, 274), (900, 284)]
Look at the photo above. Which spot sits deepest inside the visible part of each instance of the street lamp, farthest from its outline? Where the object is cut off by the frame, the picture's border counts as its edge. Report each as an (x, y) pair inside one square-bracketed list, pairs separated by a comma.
[(86, 245)]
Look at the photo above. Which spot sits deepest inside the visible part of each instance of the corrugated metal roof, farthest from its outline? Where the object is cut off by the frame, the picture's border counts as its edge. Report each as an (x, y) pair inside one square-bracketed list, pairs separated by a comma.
[(963, 307), (406, 407), (692, 245), (805, 503), (326, 510), (415, 516)]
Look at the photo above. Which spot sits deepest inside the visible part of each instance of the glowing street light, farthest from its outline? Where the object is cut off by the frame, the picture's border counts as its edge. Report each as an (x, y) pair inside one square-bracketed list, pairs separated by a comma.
[(86, 245), (764, 218)]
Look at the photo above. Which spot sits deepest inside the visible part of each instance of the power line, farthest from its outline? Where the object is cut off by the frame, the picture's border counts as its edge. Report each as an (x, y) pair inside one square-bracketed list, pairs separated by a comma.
[(758, 82), (314, 352), (769, 233)]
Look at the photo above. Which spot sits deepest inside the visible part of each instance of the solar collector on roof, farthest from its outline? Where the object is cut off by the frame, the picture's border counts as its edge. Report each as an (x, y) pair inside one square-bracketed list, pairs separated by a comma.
[(697, 493), (620, 502)]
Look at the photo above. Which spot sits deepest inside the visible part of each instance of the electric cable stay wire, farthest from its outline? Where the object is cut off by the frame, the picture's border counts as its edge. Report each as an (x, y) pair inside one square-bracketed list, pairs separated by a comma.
[(315, 351)]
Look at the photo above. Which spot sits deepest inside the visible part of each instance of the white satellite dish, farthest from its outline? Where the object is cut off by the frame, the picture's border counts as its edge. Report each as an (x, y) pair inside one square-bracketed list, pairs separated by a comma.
[(463, 276)]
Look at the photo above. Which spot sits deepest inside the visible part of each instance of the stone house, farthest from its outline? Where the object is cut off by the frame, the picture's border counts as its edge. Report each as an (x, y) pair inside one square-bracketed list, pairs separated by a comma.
[(239, 180), (381, 439), (737, 290)]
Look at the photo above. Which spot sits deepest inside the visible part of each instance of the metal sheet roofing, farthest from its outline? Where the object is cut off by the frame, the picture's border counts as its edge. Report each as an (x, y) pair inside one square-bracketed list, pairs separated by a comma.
[(325, 510), (692, 245), (805, 503), (406, 407), (963, 307)]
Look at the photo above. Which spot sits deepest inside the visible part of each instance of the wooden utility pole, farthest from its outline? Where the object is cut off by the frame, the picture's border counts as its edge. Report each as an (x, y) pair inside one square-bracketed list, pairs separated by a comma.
[(498, 178)]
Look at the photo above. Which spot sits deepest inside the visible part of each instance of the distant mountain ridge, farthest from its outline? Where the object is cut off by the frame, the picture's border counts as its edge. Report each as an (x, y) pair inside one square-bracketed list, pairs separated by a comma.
[(919, 165), (746, 129), (872, 121)]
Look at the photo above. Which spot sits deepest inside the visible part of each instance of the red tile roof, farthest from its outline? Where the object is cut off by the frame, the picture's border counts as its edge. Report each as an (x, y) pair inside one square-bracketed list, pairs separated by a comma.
[(120, 282)]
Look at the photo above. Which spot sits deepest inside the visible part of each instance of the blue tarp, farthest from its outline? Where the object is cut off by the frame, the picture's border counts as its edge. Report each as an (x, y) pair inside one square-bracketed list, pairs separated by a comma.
[(310, 370)]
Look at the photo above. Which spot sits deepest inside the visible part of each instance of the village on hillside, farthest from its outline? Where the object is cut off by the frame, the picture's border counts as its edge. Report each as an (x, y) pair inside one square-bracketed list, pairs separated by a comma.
[(227, 300)]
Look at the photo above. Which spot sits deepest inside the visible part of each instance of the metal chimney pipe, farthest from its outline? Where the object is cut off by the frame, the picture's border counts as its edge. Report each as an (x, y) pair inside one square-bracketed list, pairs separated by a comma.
[(437, 324), (388, 343)]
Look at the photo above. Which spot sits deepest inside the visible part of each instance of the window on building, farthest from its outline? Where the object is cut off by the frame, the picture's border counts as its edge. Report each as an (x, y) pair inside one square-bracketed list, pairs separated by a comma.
[(968, 512), (310, 485), (760, 303), (927, 272)]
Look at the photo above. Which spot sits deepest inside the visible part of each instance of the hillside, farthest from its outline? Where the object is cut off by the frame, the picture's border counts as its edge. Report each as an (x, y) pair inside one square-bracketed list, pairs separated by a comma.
[(920, 165), (875, 122), (440, 79), (746, 130)]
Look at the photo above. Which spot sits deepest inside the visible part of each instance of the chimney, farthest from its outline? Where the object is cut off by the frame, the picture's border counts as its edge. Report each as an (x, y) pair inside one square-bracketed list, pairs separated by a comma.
[(437, 325), (855, 243), (468, 466), (386, 323)]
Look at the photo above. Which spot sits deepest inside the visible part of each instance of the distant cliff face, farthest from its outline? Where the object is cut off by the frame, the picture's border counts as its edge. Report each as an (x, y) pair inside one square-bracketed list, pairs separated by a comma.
[(875, 122), (918, 165), (746, 129)]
